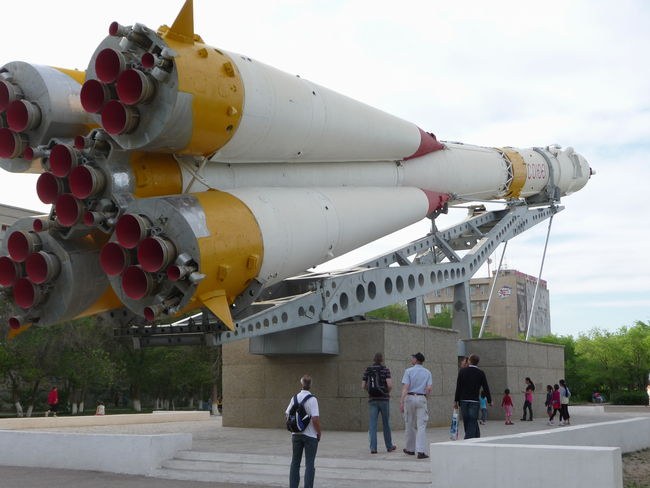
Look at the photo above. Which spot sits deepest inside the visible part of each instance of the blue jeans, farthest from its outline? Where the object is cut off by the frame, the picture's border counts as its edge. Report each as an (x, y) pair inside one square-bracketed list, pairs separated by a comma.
[(375, 407), (469, 411), (299, 443)]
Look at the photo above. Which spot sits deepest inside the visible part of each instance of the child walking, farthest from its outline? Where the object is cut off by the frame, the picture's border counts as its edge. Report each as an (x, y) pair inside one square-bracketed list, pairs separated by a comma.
[(507, 405), (549, 401), (483, 405)]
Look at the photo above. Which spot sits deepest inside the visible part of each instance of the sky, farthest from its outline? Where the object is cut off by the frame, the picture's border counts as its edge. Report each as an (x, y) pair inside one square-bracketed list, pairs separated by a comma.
[(498, 73)]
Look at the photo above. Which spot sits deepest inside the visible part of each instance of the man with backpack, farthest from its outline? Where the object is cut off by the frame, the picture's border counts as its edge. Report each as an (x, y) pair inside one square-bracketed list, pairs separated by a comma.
[(303, 421), (378, 383)]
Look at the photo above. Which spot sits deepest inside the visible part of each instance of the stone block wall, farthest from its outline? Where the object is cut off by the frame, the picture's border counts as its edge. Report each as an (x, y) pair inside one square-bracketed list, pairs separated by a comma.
[(507, 362), (257, 388)]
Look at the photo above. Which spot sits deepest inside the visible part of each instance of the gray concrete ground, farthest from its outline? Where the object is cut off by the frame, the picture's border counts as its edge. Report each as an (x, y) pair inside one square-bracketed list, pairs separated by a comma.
[(210, 436), (12, 477)]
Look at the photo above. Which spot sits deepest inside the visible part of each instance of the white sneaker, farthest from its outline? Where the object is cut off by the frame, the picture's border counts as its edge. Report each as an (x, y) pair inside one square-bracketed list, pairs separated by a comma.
[(550, 422), (561, 422)]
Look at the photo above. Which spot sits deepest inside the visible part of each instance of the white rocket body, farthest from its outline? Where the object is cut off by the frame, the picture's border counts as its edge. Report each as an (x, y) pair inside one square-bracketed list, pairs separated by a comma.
[(211, 173)]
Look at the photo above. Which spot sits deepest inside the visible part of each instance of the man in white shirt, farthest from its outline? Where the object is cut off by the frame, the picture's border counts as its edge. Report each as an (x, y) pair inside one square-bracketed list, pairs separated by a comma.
[(306, 440), (417, 383)]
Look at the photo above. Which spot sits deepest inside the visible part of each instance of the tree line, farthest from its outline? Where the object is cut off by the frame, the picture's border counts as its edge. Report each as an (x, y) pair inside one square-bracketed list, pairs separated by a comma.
[(617, 364), (88, 364)]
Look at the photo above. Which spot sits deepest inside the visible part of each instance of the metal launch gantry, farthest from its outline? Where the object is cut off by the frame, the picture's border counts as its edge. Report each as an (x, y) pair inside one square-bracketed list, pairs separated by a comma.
[(299, 314)]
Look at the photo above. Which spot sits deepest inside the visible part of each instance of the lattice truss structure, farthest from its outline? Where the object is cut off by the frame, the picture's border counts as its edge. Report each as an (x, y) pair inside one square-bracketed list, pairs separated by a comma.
[(441, 259)]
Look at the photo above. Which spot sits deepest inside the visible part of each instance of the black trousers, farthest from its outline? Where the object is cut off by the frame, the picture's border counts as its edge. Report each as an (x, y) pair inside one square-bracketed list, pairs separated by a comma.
[(529, 406)]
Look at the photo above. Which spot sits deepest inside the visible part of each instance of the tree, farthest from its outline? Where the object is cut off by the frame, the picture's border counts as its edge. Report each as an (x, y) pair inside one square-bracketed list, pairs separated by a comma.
[(397, 312), (442, 319), (572, 375), (27, 361), (84, 363), (636, 351), (616, 360), (134, 364)]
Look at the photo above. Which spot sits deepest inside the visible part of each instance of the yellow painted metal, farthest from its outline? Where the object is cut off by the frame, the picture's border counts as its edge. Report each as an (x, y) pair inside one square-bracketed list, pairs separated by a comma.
[(217, 95), (211, 78), (13, 333), (518, 172), (231, 256), (183, 27), (76, 75), (155, 175), (217, 302)]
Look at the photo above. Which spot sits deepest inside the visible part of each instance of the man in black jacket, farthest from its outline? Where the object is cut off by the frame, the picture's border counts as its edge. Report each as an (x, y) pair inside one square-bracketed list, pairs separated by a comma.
[(468, 387)]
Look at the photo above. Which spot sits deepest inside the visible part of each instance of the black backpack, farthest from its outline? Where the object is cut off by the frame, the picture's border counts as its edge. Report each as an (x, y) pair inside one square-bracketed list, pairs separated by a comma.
[(376, 388), (298, 419)]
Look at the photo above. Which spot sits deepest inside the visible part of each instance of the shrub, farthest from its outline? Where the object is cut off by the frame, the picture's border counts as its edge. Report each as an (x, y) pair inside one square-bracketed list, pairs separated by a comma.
[(629, 398)]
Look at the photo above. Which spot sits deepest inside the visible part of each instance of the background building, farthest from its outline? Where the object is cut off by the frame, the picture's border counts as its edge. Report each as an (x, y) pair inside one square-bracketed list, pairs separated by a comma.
[(509, 310), (9, 215)]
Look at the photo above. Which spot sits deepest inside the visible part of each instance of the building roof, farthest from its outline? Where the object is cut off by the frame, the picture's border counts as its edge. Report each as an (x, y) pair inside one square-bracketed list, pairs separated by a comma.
[(9, 215)]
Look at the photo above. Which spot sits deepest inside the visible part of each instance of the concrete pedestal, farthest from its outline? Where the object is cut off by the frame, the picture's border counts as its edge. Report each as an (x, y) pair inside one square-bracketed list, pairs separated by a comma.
[(507, 362), (257, 388)]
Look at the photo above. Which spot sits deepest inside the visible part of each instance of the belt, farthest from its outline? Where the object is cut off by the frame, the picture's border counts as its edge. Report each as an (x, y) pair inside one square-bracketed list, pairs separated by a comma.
[(418, 394)]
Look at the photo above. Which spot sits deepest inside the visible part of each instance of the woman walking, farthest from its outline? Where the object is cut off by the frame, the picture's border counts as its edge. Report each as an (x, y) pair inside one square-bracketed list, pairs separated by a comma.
[(528, 399), (565, 394)]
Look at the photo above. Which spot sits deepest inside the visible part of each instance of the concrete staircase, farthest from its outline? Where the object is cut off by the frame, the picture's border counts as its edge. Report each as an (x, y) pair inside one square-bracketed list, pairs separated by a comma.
[(272, 470)]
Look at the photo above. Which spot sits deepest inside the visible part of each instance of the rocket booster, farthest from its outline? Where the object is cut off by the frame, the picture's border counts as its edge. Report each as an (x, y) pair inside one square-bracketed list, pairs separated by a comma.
[(167, 91), (51, 280), (37, 103), (183, 176), (88, 185), (172, 253)]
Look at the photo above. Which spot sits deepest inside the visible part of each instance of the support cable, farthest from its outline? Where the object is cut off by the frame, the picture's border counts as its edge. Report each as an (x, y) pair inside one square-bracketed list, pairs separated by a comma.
[(494, 282), (539, 277)]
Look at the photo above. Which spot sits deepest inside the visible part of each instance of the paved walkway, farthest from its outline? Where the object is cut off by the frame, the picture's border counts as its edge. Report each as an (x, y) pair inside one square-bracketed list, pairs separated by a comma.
[(250, 452)]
